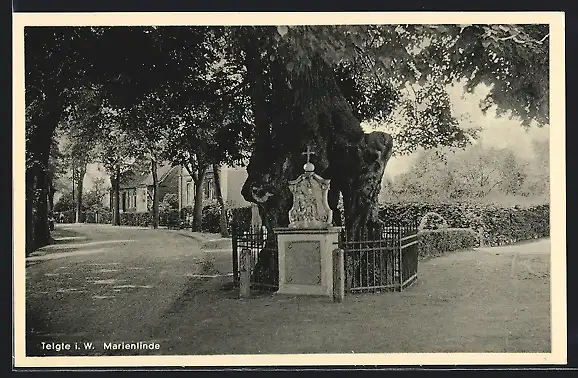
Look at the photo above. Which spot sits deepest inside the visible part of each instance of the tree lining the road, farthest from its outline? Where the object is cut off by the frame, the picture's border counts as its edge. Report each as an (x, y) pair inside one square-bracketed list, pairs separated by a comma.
[(294, 86)]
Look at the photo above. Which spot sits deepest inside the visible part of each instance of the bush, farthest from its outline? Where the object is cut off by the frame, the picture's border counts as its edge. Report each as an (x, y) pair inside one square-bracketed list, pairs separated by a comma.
[(499, 224), (437, 242), (432, 221), (240, 219), (169, 202), (211, 217), (135, 219), (187, 213), (104, 217), (89, 217), (207, 265), (172, 219)]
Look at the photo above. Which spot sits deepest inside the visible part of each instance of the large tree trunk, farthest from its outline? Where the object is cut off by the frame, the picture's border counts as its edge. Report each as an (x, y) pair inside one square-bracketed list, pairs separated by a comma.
[(155, 193), (79, 192), (320, 117), (51, 192), (40, 130), (30, 185), (41, 227), (198, 179), (116, 197), (223, 214), (112, 201)]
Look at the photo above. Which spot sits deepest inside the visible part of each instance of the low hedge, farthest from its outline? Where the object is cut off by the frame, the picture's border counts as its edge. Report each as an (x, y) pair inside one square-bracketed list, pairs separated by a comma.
[(500, 224), (437, 242), (104, 217), (136, 219), (168, 219), (172, 218)]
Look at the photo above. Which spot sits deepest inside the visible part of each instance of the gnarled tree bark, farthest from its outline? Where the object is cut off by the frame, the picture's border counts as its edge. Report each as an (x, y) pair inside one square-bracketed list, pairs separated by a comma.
[(317, 115), (311, 111)]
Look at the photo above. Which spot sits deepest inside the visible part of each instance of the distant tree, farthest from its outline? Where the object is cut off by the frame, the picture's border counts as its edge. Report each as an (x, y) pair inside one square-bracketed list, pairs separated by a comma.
[(93, 198), (474, 174), (65, 202), (478, 171), (513, 172), (211, 123), (119, 153), (537, 181)]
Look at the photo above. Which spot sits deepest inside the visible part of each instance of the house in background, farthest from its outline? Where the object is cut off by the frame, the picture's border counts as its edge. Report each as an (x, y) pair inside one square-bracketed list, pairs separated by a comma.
[(136, 193), (232, 180)]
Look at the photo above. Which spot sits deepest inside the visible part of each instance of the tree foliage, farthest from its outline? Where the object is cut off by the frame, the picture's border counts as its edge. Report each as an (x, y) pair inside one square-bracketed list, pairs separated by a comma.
[(477, 173), (206, 91)]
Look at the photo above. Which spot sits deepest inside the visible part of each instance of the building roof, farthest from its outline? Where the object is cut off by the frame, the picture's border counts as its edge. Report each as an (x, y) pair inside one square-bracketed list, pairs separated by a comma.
[(162, 173), (133, 181), (146, 179)]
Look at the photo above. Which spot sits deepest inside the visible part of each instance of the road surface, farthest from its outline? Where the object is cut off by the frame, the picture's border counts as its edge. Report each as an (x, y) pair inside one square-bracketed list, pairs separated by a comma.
[(101, 283)]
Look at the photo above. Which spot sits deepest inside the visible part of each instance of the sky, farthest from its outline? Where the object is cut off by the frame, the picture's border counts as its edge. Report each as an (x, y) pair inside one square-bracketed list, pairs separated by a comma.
[(498, 132)]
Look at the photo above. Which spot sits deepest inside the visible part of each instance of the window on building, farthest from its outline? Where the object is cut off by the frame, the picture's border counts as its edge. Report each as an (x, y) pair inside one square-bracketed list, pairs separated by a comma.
[(133, 204), (123, 202), (188, 192), (208, 189)]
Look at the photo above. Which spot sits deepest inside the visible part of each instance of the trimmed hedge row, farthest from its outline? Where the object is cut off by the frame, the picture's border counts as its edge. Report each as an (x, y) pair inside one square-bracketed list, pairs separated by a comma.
[(437, 242), (238, 219), (104, 217), (500, 225), (169, 218), (166, 218)]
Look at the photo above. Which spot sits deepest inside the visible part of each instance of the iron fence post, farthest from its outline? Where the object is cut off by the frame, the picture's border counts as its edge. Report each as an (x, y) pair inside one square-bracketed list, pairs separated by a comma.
[(245, 279), (338, 275), (235, 255), (400, 258)]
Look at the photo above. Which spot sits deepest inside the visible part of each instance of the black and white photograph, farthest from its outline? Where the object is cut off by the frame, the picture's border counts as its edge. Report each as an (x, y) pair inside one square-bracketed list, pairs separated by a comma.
[(279, 189)]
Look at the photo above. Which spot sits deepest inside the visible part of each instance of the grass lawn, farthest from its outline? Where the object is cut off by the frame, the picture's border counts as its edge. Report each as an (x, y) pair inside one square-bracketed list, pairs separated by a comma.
[(464, 302)]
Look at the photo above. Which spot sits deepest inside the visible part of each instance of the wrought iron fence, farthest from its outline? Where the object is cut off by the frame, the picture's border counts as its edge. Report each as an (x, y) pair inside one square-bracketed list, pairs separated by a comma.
[(388, 261), (385, 261), (264, 258)]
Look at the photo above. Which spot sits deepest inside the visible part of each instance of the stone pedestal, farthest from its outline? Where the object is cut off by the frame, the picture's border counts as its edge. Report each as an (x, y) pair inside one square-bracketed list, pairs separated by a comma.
[(305, 260)]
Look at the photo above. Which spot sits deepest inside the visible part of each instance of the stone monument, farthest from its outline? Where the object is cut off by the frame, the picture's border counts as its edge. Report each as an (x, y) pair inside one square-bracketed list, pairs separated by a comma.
[(306, 245)]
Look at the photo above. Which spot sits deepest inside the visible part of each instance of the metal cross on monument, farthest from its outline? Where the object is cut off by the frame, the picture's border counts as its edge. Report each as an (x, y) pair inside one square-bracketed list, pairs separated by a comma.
[(308, 167), (308, 153)]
